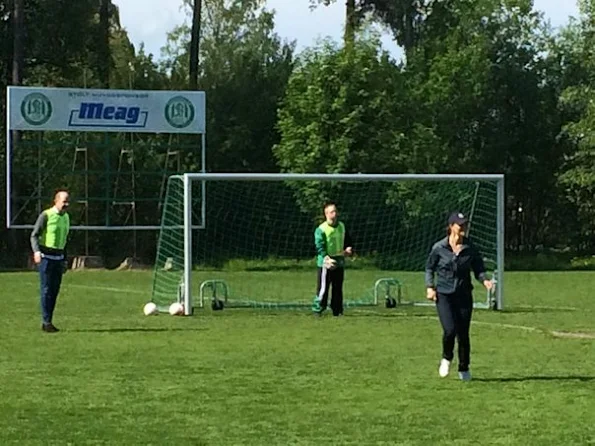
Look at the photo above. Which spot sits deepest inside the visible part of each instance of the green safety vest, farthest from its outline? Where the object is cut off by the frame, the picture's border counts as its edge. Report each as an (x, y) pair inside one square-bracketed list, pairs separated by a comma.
[(335, 238), (56, 231)]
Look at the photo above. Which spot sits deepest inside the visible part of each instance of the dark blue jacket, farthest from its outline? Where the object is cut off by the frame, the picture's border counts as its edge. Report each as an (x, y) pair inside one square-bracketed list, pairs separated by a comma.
[(453, 271)]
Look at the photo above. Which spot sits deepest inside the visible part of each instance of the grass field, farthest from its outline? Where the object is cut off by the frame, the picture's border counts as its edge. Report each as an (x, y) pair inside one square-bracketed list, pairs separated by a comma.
[(246, 377)]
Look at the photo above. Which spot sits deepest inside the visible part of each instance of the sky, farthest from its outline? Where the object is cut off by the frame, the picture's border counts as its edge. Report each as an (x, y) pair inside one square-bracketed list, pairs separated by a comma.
[(148, 21)]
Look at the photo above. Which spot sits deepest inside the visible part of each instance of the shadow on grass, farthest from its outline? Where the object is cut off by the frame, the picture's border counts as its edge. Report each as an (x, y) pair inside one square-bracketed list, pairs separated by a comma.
[(538, 378), (134, 330)]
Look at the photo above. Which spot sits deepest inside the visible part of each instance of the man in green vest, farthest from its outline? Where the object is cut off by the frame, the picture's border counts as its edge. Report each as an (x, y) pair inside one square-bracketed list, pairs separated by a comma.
[(333, 244), (48, 242)]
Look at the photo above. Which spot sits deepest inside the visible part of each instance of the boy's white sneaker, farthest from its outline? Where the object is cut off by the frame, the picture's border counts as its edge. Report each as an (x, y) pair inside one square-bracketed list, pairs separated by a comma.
[(444, 368), (465, 376)]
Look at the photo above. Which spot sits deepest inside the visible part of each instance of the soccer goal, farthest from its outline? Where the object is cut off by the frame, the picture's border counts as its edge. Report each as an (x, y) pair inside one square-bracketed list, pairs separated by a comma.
[(256, 246)]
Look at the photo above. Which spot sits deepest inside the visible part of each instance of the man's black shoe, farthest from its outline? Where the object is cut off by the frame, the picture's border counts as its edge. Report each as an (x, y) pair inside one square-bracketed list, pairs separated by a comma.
[(49, 328)]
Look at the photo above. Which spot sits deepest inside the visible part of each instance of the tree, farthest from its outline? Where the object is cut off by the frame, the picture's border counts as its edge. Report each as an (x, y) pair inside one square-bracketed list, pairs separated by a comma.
[(243, 70), (104, 55), (577, 103), (18, 55), (486, 90), (336, 109), (194, 43), (412, 21), (353, 16), (408, 20), (342, 113)]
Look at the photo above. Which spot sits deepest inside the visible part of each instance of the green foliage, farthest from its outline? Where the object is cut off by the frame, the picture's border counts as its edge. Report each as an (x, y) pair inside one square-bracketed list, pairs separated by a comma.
[(549, 261), (341, 114), (244, 70), (486, 89), (576, 176), (485, 86), (409, 21)]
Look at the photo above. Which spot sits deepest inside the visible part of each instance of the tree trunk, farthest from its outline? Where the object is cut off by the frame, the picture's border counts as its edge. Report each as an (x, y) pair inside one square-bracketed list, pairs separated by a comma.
[(18, 58), (350, 23), (104, 58), (194, 44), (408, 31)]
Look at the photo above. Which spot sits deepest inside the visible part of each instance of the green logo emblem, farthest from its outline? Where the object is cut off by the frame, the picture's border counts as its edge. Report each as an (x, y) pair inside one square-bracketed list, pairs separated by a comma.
[(36, 109), (179, 112)]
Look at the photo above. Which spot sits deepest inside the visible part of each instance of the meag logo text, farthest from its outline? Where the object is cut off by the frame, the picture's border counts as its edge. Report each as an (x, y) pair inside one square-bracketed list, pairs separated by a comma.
[(98, 114)]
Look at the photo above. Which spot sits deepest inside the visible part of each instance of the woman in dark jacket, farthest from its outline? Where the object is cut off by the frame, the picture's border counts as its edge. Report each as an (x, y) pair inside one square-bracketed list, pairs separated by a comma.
[(450, 262)]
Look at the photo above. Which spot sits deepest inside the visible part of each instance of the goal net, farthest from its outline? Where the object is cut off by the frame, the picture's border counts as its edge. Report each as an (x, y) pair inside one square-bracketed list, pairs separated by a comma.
[(256, 246)]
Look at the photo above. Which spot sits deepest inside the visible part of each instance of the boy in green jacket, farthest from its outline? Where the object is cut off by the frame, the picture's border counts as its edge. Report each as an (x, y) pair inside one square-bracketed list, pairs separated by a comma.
[(333, 244)]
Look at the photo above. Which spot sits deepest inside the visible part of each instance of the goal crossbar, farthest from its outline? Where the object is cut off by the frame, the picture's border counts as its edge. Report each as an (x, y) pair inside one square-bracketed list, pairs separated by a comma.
[(338, 177)]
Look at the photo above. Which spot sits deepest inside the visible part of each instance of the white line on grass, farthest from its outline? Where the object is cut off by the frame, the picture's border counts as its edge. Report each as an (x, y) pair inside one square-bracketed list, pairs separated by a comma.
[(513, 326), (493, 324), (542, 307), (573, 335), (555, 333)]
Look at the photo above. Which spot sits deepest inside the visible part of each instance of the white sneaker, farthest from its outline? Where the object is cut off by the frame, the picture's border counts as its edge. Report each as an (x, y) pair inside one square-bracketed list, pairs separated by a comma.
[(444, 368), (465, 376)]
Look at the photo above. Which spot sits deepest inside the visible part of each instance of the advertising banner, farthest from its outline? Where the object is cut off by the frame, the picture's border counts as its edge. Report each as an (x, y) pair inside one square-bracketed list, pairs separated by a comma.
[(92, 110)]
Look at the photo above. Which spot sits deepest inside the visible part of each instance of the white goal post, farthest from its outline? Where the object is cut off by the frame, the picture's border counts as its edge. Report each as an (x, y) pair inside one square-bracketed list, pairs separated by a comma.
[(496, 216)]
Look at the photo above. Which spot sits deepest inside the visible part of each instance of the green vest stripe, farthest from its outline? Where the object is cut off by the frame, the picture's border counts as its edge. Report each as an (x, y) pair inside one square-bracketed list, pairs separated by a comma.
[(56, 232)]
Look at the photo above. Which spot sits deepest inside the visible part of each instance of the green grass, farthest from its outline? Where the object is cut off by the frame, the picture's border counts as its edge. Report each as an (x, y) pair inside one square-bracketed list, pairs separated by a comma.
[(245, 377)]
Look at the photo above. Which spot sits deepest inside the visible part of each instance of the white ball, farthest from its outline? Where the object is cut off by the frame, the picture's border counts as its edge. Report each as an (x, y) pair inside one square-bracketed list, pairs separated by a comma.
[(150, 309), (176, 309)]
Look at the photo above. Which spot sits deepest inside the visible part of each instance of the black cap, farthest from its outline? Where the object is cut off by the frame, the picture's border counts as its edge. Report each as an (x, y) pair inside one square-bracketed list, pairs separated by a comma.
[(457, 217)]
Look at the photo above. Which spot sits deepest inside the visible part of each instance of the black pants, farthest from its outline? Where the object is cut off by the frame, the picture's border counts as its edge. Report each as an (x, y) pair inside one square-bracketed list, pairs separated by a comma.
[(328, 278), (50, 274), (454, 311)]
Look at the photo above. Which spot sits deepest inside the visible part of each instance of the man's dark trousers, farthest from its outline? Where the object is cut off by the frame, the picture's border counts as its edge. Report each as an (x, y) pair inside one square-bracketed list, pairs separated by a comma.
[(331, 278), (50, 272), (454, 311)]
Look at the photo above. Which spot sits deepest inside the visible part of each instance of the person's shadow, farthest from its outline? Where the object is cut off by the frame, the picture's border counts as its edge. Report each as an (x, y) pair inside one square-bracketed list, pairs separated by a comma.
[(582, 378)]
